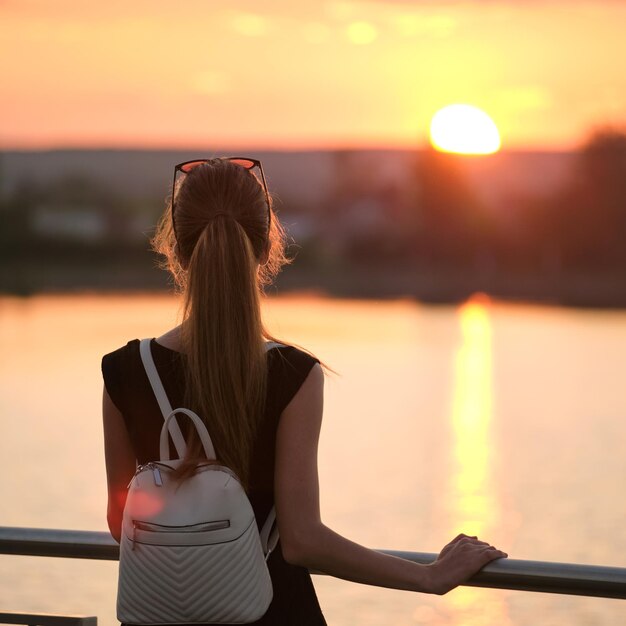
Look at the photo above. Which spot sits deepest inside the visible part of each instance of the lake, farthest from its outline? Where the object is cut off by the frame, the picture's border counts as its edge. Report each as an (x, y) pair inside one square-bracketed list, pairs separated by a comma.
[(489, 418)]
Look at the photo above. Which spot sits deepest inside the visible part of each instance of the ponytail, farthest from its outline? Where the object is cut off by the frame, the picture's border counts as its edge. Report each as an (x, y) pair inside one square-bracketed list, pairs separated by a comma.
[(222, 335), (224, 250)]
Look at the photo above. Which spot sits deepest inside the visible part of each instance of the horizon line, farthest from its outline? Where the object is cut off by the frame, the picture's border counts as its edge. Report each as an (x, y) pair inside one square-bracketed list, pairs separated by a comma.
[(278, 149)]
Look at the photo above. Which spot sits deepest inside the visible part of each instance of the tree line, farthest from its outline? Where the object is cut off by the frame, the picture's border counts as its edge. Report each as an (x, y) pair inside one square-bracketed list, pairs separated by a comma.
[(440, 225)]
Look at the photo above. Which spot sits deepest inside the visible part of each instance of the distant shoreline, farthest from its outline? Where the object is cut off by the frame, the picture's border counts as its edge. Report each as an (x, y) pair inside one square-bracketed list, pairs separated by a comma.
[(436, 287)]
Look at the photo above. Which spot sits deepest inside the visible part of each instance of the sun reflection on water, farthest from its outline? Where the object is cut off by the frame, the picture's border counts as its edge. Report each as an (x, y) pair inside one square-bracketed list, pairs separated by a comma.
[(471, 419), (474, 506)]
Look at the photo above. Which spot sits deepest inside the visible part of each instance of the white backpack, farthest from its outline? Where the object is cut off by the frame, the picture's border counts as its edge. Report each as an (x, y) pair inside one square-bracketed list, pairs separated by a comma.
[(190, 550)]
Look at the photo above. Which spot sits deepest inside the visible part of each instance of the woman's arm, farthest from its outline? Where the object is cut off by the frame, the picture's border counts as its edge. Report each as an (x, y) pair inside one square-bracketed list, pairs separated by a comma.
[(120, 463), (307, 542)]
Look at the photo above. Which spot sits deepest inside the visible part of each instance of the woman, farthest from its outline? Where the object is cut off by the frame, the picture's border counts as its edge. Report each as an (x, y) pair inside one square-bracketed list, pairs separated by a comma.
[(263, 408)]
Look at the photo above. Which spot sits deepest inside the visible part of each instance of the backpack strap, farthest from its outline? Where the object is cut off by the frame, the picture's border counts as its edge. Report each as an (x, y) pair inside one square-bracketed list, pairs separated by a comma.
[(161, 396), (269, 531)]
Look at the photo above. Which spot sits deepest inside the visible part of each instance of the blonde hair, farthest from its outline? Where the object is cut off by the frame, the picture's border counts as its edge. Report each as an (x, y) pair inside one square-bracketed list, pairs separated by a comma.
[(223, 253)]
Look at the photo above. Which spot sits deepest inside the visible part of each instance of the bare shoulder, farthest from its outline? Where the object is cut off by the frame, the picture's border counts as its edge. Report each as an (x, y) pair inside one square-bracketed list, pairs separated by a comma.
[(171, 339), (311, 388), (300, 424)]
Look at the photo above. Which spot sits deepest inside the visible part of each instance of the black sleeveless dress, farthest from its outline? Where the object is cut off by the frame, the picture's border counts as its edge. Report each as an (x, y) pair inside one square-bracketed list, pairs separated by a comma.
[(294, 602)]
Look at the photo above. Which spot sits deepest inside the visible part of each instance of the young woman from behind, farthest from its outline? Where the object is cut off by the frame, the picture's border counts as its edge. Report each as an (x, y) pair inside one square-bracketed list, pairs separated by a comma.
[(263, 408)]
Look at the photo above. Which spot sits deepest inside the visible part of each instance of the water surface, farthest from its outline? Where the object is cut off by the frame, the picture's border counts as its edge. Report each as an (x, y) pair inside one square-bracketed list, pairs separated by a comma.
[(502, 420)]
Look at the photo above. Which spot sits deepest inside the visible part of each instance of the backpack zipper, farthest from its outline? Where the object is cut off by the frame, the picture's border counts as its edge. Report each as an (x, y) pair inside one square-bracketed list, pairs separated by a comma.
[(158, 479), (193, 528), (156, 473)]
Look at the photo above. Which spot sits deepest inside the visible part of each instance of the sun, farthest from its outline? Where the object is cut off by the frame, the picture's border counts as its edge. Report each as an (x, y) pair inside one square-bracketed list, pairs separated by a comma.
[(464, 129)]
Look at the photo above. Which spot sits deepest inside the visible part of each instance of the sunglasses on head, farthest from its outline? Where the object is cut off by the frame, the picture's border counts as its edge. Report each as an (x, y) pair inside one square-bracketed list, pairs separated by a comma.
[(184, 168)]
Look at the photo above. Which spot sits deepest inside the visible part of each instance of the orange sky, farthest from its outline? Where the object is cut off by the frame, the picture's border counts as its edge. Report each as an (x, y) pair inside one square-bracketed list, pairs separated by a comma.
[(288, 74)]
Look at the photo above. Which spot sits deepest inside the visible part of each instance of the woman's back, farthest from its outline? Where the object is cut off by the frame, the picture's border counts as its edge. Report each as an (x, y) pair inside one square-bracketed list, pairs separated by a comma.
[(263, 409), (294, 599)]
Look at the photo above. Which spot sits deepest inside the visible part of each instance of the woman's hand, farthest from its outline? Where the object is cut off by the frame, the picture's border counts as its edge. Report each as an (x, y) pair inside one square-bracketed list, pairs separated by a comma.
[(460, 560), (307, 542)]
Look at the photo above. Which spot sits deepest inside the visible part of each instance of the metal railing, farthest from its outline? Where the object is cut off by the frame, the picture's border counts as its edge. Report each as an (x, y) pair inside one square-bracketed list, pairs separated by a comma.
[(45, 619), (567, 578)]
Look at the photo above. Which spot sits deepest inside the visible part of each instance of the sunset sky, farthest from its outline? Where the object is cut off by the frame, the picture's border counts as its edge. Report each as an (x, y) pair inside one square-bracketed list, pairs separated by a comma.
[(289, 74)]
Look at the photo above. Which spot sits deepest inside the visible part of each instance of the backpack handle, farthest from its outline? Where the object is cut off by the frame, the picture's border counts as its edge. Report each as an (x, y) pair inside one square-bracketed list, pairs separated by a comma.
[(205, 438)]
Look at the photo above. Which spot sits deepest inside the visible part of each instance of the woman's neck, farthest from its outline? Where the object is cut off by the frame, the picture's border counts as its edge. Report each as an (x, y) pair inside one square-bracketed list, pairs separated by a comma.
[(172, 339)]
